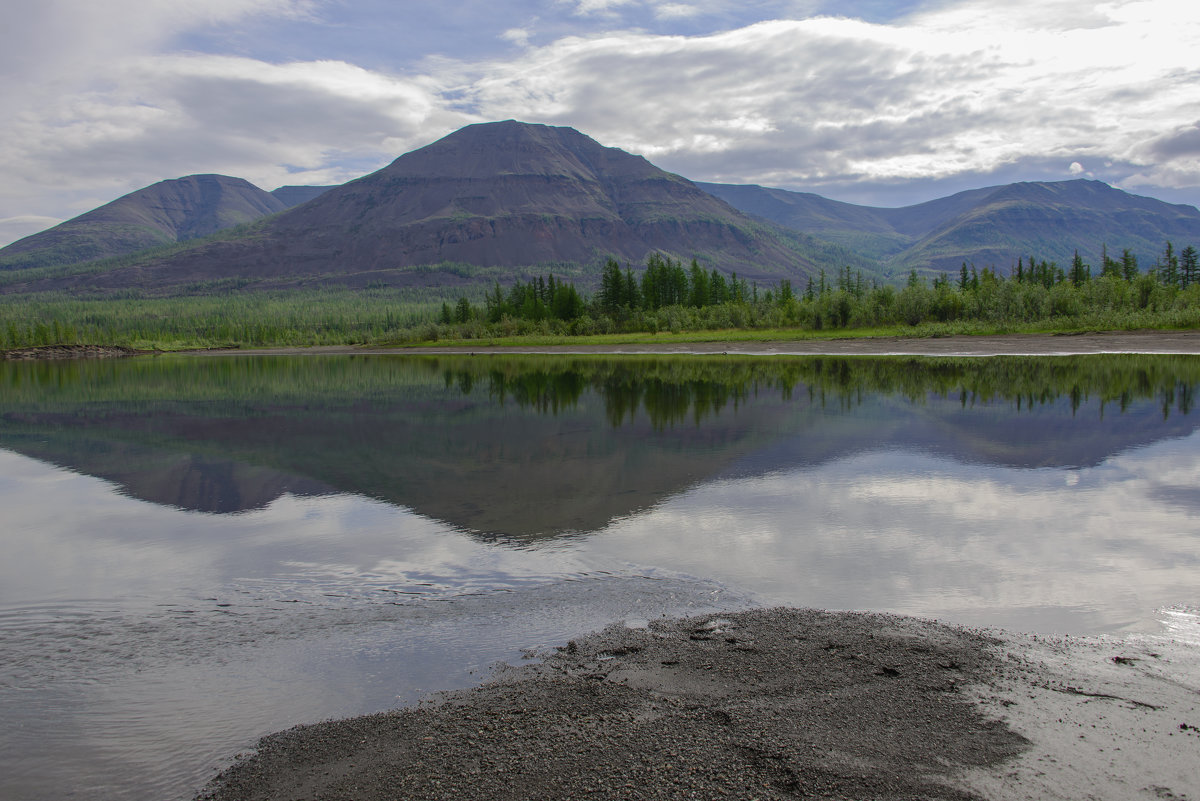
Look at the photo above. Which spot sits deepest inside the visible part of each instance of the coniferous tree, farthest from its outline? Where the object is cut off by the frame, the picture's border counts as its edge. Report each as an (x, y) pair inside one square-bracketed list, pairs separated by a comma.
[(1170, 266), (494, 304), (612, 288), (632, 297), (1188, 268), (785, 292), (699, 294), (1080, 272), (1129, 265), (1109, 267), (718, 288), (463, 311)]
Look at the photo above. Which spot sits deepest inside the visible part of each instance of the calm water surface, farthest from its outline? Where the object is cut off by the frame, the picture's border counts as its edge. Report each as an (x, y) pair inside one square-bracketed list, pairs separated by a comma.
[(200, 551)]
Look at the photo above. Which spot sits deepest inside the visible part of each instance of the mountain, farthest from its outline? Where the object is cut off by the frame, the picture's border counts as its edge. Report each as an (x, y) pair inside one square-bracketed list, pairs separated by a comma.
[(487, 202), (991, 226), (505, 200), (167, 212), (1051, 221), (291, 196)]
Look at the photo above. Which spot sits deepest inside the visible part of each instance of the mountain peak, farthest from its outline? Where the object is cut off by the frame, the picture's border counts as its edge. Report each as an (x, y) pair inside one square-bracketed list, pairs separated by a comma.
[(508, 195), (511, 147), (169, 211)]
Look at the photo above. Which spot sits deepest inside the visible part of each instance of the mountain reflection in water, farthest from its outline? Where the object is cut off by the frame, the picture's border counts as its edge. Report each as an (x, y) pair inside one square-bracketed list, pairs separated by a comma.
[(529, 447)]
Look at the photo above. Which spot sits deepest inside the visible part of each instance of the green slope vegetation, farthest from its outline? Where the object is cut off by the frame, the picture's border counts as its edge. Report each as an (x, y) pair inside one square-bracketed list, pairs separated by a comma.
[(989, 227), (167, 212)]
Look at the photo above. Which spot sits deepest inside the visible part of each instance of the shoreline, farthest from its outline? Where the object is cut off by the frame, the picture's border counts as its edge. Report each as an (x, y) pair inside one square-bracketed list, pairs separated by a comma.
[(1185, 342), (771, 704), (1147, 342)]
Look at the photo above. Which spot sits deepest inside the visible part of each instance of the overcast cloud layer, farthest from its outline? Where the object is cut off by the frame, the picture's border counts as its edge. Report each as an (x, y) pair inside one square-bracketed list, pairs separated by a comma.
[(877, 102)]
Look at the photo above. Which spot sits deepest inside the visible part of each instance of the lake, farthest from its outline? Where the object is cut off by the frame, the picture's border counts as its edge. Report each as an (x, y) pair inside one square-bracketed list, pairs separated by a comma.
[(201, 550)]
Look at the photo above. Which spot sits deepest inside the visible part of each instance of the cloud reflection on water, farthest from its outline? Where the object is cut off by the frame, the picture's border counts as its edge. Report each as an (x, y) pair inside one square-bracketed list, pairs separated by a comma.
[(1083, 550)]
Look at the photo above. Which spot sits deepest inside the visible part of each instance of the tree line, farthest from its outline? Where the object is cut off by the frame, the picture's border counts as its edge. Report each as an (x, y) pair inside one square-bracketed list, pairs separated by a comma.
[(666, 295), (663, 295)]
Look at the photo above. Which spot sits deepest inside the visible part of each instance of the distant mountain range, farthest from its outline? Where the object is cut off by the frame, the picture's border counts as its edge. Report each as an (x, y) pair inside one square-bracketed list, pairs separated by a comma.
[(993, 226), (481, 204), (501, 200)]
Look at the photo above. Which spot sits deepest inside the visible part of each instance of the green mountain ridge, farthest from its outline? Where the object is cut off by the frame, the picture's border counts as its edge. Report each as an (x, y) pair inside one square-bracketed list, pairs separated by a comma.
[(992, 226), (167, 212)]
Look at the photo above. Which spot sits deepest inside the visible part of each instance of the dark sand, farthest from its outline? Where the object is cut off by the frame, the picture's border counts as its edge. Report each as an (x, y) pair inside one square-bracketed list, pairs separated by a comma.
[(768, 704)]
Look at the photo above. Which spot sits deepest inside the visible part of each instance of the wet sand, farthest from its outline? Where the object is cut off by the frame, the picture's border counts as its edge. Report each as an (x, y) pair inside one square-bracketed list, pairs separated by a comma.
[(1164, 342), (772, 704)]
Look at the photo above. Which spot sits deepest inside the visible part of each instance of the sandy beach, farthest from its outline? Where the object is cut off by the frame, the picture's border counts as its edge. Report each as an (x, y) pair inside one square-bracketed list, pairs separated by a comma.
[(772, 704)]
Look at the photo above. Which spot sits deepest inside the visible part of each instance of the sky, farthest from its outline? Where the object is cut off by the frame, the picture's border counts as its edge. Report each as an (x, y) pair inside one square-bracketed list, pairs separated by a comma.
[(879, 102)]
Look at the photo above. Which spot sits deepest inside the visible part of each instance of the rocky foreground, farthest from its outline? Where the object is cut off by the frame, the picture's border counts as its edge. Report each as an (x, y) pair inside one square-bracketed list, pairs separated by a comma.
[(767, 704)]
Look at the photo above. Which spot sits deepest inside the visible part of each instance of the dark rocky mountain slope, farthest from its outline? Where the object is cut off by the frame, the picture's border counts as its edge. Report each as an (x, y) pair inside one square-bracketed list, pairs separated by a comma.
[(488, 201), (167, 212), (505, 200)]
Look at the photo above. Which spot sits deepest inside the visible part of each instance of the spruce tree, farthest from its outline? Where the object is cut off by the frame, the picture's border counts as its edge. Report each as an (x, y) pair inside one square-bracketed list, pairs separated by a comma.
[(1188, 266), (1170, 266), (1129, 265)]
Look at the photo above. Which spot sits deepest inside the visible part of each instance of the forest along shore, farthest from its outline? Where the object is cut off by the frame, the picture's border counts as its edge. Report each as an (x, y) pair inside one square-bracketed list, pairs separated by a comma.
[(771, 704)]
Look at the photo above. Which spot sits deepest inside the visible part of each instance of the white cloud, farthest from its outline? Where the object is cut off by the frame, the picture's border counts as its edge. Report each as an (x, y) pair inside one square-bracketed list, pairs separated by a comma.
[(677, 11), (589, 7), (518, 36), (97, 104), (968, 89), (167, 116)]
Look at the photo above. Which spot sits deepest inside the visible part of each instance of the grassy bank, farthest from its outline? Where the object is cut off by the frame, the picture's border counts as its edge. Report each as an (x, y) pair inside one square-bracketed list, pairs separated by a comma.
[(1066, 325)]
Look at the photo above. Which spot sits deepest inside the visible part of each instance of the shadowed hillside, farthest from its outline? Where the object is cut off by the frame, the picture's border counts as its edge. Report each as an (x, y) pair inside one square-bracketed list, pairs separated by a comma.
[(167, 212), (291, 196), (481, 204)]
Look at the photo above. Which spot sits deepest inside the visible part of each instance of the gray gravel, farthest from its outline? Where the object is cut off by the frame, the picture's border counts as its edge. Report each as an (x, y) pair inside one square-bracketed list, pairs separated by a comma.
[(765, 704)]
